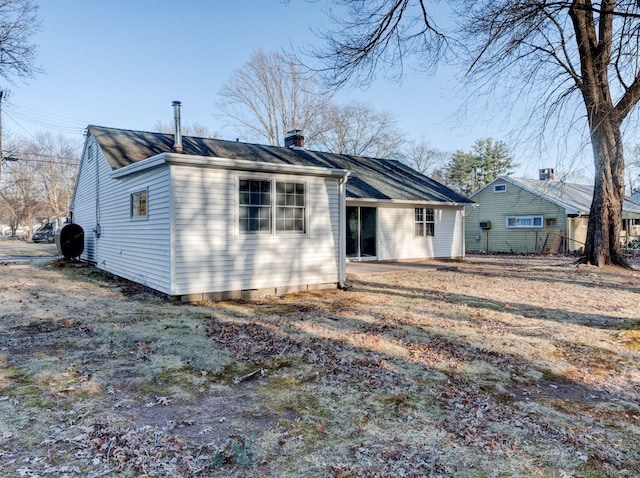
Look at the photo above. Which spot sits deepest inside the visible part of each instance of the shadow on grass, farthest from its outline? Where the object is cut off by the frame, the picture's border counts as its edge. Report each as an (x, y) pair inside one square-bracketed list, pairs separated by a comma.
[(572, 273), (527, 310)]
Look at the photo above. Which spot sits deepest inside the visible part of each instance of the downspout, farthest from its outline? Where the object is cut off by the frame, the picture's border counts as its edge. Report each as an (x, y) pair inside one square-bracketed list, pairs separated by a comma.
[(343, 230), (463, 239), (98, 229), (464, 228)]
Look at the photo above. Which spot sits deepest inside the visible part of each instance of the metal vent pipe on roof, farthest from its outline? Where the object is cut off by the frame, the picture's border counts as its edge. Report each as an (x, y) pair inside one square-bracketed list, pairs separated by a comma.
[(177, 143)]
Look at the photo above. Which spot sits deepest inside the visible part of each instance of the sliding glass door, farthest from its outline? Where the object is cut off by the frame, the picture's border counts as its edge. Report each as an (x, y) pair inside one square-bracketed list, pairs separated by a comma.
[(361, 232)]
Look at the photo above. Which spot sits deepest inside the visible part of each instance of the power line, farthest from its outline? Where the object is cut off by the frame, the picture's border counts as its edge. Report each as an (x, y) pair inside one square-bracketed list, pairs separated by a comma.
[(68, 163), (45, 120), (40, 155)]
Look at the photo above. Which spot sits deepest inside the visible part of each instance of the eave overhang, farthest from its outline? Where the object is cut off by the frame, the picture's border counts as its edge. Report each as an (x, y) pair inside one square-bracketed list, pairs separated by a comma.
[(210, 162)]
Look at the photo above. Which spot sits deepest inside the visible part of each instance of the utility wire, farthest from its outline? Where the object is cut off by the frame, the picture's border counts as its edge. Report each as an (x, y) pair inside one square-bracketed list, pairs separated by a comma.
[(45, 120), (39, 155), (72, 162)]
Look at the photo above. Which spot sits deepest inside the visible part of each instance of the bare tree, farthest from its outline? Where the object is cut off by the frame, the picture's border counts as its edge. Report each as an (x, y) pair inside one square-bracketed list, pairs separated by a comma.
[(632, 170), (270, 95), (18, 24), (194, 129), (422, 157), (39, 184), (55, 163), (20, 194), (572, 54), (356, 128)]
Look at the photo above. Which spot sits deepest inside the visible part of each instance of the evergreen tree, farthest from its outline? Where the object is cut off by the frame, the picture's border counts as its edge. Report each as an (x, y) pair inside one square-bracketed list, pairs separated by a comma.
[(467, 172)]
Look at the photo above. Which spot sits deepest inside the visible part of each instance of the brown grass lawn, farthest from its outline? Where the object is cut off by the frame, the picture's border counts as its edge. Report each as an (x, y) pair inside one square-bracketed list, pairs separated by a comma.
[(489, 367)]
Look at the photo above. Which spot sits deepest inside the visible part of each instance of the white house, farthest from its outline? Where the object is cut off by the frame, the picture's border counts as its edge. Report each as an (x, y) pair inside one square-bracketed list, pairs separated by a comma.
[(199, 218)]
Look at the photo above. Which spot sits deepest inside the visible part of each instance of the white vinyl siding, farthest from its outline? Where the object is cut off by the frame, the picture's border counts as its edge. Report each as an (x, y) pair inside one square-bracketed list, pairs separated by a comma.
[(135, 250), (84, 199), (397, 239), (212, 254)]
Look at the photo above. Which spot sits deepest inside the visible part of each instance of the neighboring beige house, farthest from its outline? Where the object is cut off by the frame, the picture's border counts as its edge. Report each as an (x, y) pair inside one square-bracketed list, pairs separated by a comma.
[(535, 216)]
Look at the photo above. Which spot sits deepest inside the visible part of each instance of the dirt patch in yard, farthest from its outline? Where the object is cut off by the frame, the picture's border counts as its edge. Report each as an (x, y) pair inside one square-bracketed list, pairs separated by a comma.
[(492, 366)]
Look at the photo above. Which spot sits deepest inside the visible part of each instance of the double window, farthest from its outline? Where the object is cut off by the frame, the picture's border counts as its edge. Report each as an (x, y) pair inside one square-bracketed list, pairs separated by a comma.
[(139, 205), (424, 221), (524, 221), (260, 209)]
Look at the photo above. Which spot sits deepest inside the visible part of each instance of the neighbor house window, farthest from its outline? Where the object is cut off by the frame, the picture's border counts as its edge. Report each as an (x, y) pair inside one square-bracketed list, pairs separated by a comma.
[(499, 188), (290, 207), (139, 205), (524, 221), (255, 206), (424, 221)]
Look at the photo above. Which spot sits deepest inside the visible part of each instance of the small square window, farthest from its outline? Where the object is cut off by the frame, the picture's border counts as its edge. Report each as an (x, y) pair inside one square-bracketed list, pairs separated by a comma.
[(499, 188), (139, 205)]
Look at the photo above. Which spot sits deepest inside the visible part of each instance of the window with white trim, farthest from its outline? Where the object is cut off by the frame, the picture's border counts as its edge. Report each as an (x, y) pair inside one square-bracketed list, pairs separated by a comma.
[(424, 221), (259, 209), (139, 205), (524, 221), (290, 207), (255, 206), (499, 188)]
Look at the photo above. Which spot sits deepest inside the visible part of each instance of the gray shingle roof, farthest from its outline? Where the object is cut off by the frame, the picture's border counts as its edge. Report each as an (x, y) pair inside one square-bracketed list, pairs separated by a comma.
[(371, 178), (575, 198)]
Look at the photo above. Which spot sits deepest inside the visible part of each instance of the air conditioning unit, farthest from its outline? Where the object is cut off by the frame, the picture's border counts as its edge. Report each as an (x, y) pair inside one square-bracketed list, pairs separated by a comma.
[(485, 225)]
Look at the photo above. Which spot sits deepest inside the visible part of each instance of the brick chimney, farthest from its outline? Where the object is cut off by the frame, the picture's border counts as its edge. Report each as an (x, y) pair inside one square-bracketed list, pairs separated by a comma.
[(294, 139), (546, 174)]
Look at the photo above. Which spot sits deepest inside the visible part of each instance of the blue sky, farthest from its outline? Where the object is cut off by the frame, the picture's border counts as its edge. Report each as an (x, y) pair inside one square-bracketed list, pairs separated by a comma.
[(121, 63)]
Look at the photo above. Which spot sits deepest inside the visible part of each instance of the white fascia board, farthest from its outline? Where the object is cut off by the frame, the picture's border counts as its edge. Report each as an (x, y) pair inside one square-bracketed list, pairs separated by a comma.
[(409, 201), (225, 163), (247, 165), (149, 163)]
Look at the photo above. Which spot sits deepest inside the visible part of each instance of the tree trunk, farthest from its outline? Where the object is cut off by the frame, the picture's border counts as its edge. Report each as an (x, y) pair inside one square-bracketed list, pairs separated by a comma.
[(603, 244)]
